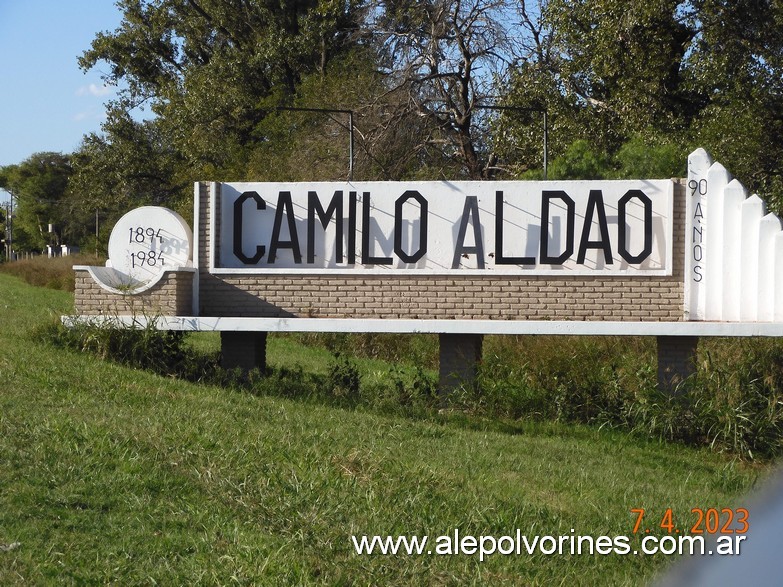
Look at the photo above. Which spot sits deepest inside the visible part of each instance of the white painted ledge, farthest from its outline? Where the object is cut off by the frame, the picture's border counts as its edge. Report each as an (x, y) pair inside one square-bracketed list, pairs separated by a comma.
[(559, 327)]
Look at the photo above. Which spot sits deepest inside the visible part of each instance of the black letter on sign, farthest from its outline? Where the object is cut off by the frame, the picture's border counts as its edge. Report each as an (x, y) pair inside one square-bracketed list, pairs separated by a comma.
[(595, 202), (285, 206), (623, 232), (499, 258), (351, 228), (261, 205), (422, 226), (471, 209), (366, 258), (335, 206), (546, 197)]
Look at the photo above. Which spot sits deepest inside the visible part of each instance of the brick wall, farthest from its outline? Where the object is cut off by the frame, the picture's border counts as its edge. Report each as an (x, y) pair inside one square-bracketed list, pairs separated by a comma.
[(172, 295), (457, 297)]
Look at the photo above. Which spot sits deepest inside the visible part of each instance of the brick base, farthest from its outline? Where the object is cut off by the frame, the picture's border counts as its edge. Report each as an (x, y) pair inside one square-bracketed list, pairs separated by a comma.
[(676, 360), (171, 296), (459, 358), (243, 350)]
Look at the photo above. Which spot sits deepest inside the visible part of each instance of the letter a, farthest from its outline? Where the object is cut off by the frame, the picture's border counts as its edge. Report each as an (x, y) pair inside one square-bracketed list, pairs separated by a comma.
[(471, 210)]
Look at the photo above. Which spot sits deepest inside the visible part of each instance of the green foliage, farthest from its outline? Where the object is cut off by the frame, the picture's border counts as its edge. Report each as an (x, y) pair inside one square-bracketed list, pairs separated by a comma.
[(747, 137), (132, 164), (704, 73), (39, 185), (415, 391), (344, 378), (641, 158), (737, 397), (636, 158), (159, 351), (629, 88), (620, 60), (211, 74), (580, 161), (420, 350), (734, 402)]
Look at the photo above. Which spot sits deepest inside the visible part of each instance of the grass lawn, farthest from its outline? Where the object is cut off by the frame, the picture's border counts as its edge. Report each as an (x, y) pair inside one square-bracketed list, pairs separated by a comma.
[(113, 475)]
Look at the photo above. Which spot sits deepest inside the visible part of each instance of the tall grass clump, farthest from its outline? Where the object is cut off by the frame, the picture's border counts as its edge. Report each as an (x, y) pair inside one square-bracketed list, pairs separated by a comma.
[(733, 403), (52, 273), (569, 379), (737, 396), (161, 351), (344, 379)]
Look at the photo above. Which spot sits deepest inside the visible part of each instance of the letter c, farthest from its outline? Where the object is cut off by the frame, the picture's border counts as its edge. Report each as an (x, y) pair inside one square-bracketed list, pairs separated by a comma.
[(260, 249)]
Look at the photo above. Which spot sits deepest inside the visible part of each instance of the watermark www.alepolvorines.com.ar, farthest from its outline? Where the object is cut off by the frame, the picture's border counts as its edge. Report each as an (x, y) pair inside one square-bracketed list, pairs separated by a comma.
[(520, 544)]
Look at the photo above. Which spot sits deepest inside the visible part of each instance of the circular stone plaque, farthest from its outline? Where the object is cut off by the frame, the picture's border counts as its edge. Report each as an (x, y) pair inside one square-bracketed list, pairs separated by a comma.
[(147, 241)]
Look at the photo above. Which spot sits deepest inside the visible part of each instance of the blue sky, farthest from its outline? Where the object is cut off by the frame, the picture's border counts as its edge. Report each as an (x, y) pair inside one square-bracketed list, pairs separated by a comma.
[(46, 102)]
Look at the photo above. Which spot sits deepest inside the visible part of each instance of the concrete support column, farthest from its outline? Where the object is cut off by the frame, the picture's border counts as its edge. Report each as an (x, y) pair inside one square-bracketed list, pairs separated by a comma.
[(459, 358), (243, 350), (676, 360)]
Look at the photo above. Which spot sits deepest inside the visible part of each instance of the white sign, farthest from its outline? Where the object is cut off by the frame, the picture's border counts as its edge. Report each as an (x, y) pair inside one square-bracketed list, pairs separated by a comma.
[(148, 240), (526, 228)]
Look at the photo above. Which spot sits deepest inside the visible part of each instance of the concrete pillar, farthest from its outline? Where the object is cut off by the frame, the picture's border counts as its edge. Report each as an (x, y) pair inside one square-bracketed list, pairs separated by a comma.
[(459, 358), (676, 360), (243, 350)]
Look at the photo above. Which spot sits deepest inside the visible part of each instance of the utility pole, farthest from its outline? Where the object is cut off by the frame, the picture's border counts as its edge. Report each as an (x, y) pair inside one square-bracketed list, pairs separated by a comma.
[(9, 226)]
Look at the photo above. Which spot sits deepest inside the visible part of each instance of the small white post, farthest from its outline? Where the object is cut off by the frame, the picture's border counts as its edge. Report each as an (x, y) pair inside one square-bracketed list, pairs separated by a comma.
[(753, 210), (733, 197), (717, 180), (778, 269), (770, 227)]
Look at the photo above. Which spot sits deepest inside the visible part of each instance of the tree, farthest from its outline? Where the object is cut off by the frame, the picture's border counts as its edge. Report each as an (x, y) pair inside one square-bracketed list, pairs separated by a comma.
[(680, 73), (214, 74), (737, 63), (605, 70), (444, 60), (131, 165), (39, 184), (212, 71), (630, 82)]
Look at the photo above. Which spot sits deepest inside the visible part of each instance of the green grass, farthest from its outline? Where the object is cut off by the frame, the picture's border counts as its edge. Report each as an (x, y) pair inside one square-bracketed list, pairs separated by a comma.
[(114, 475)]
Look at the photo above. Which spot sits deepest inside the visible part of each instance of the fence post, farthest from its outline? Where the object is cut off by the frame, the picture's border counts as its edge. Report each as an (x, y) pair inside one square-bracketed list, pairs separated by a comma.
[(676, 360), (243, 350), (459, 358)]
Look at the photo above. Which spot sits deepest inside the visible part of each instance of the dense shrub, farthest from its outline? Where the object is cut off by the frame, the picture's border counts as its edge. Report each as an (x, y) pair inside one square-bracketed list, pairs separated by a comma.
[(160, 351), (343, 378), (733, 403)]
